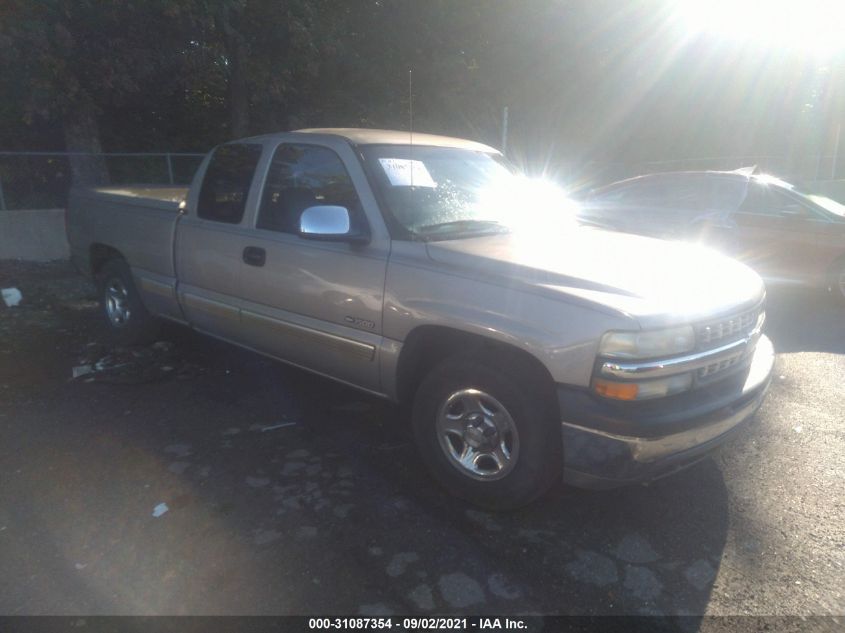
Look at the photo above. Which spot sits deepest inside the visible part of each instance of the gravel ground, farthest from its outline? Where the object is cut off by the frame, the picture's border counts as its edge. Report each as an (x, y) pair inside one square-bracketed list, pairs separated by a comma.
[(190, 477)]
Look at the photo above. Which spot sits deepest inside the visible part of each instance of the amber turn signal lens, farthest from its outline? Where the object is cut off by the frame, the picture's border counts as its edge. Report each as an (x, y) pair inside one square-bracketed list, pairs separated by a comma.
[(616, 390)]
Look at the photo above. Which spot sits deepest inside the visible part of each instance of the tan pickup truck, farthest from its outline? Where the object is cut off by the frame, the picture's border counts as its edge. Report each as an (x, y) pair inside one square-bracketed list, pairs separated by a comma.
[(428, 272)]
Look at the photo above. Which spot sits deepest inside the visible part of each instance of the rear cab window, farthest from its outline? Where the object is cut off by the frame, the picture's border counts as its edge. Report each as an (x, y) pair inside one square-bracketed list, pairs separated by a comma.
[(225, 186)]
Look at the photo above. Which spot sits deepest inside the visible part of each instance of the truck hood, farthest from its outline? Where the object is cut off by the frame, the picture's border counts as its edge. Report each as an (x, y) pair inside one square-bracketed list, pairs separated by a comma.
[(654, 281)]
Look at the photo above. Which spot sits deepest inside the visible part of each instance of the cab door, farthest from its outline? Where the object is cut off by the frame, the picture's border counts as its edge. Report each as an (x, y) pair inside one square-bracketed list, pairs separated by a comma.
[(314, 303), (211, 238)]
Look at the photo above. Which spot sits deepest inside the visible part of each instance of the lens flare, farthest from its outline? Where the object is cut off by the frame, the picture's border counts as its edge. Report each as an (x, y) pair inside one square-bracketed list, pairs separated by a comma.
[(811, 26)]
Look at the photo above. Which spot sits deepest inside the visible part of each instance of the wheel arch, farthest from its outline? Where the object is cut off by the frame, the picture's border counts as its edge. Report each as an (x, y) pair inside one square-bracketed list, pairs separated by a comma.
[(99, 254), (427, 345)]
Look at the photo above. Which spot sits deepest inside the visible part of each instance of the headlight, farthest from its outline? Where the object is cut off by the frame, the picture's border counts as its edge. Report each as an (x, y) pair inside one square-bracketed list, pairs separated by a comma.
[(649, 344), (642, 389)]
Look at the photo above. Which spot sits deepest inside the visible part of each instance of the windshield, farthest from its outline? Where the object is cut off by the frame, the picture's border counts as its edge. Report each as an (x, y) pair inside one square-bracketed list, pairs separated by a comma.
[(827, 204), (445, 193)]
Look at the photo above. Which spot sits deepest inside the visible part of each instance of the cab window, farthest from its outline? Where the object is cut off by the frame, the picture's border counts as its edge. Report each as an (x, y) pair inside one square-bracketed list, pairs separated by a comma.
[(226, 184), (302, 176)]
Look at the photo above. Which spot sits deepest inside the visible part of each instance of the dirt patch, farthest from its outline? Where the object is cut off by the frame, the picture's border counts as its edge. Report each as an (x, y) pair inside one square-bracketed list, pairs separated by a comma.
[(58, 317), (133, 365), (48, 291)]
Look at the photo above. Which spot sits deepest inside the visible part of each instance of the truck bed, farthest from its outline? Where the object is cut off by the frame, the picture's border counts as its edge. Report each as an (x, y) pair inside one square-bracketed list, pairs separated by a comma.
[(139, 221), (144, 193)]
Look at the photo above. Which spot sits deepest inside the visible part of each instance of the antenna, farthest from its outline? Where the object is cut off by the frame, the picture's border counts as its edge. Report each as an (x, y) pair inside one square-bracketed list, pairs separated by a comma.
[(411, 122)]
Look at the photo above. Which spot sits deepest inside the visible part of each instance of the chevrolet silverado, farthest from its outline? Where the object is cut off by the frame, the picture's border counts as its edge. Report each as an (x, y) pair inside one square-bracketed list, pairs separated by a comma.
[(424, 270)]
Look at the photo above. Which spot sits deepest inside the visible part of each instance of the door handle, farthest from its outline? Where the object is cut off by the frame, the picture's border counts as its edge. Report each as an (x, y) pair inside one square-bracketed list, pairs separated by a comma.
[(254, 256)]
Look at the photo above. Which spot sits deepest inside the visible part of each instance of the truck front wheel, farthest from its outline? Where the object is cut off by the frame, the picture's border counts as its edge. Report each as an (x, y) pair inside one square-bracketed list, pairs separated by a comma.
[(487, 432), (129, 321)]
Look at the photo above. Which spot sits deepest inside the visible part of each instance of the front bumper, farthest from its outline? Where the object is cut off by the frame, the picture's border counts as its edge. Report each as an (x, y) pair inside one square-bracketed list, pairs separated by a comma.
[(608, 444)]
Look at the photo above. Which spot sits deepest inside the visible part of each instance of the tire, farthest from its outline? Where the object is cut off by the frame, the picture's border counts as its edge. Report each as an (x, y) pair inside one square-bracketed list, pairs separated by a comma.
[(515, 435), (128, 320)]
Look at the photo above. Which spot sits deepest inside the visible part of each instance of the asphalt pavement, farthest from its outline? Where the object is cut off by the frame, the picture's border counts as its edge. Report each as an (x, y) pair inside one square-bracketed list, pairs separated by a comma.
[(191, 477)]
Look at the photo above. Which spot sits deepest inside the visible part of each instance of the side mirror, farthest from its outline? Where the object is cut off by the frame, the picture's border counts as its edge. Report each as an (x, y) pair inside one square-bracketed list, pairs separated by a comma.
[(328, 222)]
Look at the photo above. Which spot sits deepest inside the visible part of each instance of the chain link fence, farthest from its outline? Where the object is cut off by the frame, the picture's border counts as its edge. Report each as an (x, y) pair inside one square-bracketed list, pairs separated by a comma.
[(41, 180)]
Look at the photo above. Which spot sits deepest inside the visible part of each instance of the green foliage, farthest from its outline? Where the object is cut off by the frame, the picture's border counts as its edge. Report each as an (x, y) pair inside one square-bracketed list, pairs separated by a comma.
[(67, 54), (597, 79)]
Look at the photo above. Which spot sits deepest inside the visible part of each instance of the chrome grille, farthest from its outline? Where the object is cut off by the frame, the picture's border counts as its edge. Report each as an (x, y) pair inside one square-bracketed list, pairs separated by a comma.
[(726, 330), (715, 368)]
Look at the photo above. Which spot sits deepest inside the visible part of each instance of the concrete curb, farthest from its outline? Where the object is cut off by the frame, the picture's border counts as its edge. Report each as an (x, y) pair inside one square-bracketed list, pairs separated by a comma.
[(35, 235)]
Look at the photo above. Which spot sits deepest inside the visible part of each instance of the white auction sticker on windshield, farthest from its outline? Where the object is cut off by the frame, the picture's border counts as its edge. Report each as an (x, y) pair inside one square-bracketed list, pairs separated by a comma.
[(403, 172)]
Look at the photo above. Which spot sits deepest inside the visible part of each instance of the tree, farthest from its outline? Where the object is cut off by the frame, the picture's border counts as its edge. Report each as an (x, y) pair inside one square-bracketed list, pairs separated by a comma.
[(74, 59)]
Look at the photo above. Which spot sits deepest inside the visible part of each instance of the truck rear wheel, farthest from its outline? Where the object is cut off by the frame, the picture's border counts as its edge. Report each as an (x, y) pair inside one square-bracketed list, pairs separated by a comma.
[(487, 433), (129, 321)]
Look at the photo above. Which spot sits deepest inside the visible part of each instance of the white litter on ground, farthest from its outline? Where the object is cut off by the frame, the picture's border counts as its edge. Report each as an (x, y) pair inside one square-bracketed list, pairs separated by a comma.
[(11, 297), (160, 509), (102, 365), (82, 370), (277, 426)]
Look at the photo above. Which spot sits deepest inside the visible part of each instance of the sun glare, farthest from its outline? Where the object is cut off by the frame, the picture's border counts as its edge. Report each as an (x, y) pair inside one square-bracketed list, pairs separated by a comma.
[(529, 205), (807, 26)]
